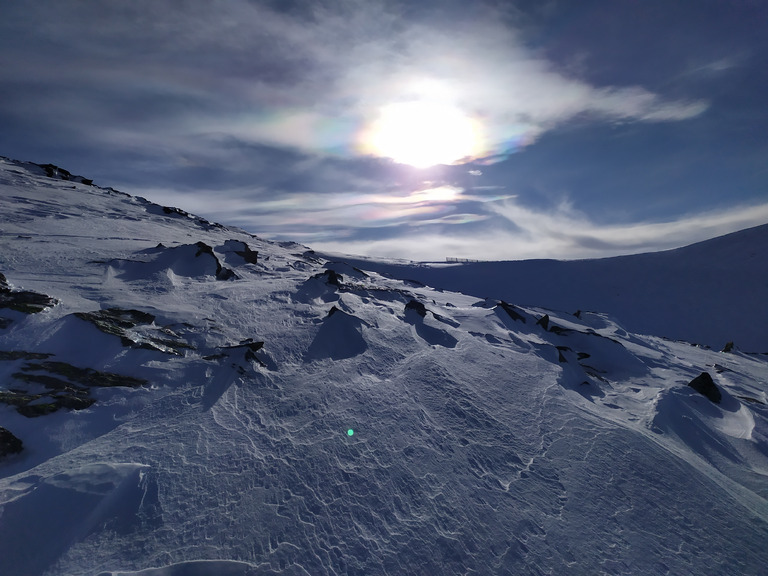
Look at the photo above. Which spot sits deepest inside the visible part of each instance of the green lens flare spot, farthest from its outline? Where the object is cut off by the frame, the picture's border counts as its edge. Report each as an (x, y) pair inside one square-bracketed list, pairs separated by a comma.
[(350, 432)]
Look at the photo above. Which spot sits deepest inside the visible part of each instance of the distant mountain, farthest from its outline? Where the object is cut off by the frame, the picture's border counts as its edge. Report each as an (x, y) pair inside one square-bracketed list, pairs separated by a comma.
[(179, 397), (709, 293)]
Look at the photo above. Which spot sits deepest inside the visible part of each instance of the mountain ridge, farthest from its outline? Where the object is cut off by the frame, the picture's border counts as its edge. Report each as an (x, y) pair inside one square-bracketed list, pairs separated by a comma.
[(710, 292)]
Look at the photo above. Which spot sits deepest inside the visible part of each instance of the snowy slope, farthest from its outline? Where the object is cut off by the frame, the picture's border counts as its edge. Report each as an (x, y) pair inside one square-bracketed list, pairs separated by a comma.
[(184, 407), (711, 293)]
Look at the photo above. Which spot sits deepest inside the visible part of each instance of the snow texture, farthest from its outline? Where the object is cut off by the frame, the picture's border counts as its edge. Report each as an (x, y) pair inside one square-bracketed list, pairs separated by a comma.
[(487, 440)]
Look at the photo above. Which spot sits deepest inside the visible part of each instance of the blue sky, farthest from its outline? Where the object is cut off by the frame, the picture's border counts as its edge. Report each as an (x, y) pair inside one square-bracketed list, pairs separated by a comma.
[(584, 129)]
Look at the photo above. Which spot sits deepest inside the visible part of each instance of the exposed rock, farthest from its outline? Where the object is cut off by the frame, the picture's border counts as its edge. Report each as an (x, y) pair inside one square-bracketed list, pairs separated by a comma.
[(22, 355), (577, 314), (191, 260), (333, 278), (9, 444), (34, 409), (323, 285), (65, 385), (23, 300), (250, 256), (116, 321), (559, 329), (173, 211), (203, 248), (543, 322), (53, 171), (135, 329), (417, 307), (84, 376), (330, 277), (728, 347), (703, 384), (343, 268), (226, 274), (512, 311), (222, 273), (249, 343), (250, 346)]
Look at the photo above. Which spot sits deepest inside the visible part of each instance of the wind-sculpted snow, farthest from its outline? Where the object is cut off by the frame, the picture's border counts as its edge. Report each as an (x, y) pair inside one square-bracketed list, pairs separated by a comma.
[(487, 440), (709, 293)]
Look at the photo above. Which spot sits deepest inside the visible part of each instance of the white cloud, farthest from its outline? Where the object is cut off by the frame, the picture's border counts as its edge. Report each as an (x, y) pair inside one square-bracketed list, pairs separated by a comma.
[(562, 234), (312, 81)]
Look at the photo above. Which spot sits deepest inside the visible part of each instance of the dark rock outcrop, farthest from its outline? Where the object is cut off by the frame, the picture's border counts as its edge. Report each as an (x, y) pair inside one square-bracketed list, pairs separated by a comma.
[(23, 300), (222, 273), (135, 329), (250, 256), (45, 387), (250, 346), (226, 274), (417, 307), (728, 347), (333, 278), (545, 323), (174, 212), (703, 384), (53, 171), (512, 311), (116, 321), (9, 444)]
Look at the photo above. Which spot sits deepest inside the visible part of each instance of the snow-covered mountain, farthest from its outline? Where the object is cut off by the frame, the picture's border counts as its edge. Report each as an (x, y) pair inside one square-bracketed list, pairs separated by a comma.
[(709, 293), (182, 398)]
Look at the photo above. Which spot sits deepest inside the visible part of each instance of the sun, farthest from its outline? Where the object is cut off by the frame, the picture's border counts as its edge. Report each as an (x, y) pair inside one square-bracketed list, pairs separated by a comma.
[(423, 134)]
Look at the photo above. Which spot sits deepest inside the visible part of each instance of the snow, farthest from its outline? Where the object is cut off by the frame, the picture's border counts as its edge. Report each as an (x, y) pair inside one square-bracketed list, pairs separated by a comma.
[(483, 443), (709, 293)]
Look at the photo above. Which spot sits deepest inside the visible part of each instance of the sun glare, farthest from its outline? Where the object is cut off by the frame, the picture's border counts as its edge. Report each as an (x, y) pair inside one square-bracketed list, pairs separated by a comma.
[(423, 134)]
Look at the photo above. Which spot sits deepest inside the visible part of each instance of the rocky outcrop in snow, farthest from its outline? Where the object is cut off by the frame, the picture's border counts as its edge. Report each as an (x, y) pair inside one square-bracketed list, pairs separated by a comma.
[(703, 384), (23, 300), (9, 444)]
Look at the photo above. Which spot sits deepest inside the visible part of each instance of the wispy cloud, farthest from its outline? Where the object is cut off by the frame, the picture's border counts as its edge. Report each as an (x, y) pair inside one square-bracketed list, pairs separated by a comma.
[(311, 79), (255, 113), (322, 214), (484, 69), (435, 221), (560, 234)]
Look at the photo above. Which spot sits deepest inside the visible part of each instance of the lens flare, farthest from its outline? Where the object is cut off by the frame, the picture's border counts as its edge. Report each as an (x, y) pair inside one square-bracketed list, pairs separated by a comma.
[(422, 134)]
